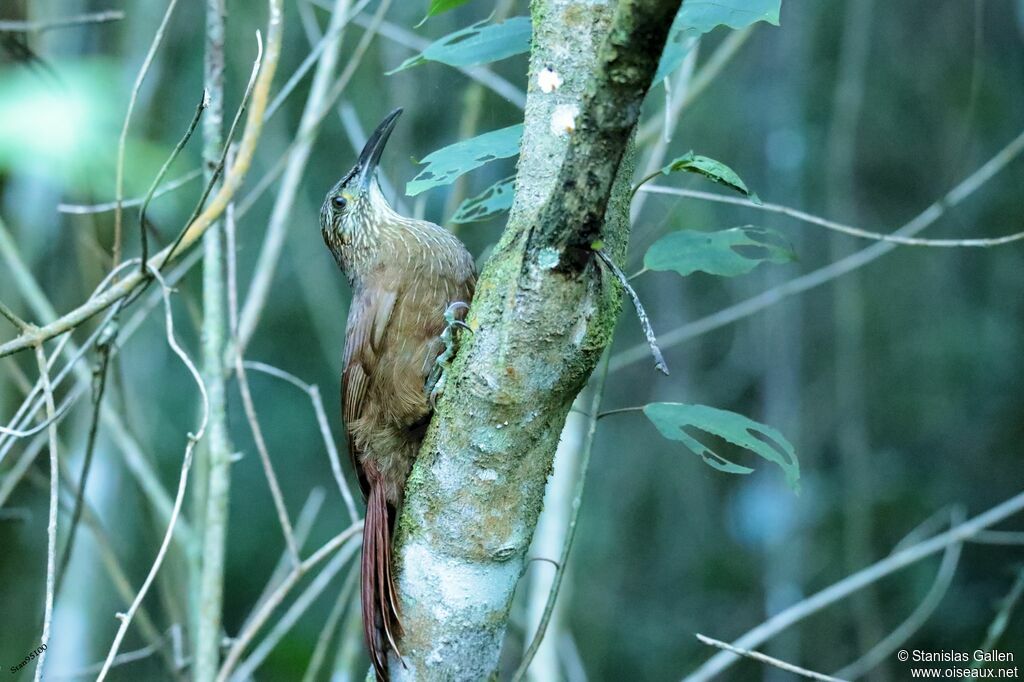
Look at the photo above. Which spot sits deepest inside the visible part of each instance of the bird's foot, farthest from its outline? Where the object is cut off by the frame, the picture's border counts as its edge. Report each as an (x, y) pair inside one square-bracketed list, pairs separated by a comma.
[(436, 381)]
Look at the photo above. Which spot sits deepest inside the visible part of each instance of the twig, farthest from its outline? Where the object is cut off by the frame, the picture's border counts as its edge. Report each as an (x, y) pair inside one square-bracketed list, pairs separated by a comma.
[(323, 640), (840, 590), (123, 139), (21, 324), (88, 209), (13, 475), (999, 537), (213, 175), (268, 467), (943, 578), (313, 392), (232, 182), (64, 22), (247, 401), (1002, 619), (273, 601), (307, 515), (757, 656), (203, 103), (133, 456), (570, 534), (51, 527), (294, 612), (57, 416), (126, 618), (100, 383), (895, 238), (829, 272), (327, 39), (645, 323)]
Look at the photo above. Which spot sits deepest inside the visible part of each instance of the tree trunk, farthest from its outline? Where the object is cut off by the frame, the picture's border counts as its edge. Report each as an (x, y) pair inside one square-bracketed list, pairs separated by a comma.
[(544, 310)]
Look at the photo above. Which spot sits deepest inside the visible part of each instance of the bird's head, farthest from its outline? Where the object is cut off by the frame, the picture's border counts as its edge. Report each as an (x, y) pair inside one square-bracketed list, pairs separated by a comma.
[(355, 210)]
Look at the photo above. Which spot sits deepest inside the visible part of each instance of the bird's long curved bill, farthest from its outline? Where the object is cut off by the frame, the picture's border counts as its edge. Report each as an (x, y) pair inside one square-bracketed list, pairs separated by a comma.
[(370, 156)]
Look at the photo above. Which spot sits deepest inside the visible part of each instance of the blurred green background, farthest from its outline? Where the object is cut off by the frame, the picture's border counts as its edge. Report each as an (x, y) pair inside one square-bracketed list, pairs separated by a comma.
[(899, 384)]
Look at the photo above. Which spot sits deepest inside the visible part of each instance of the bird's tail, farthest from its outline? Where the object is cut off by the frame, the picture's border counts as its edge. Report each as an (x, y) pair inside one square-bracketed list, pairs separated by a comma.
[(381, 625)]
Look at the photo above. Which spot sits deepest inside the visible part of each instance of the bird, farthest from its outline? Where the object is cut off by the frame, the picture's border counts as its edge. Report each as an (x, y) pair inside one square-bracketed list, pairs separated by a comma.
[(412, 282)]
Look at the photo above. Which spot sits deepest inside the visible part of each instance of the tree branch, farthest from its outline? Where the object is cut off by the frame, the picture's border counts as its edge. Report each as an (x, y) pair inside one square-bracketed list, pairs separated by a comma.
[(543, 313)]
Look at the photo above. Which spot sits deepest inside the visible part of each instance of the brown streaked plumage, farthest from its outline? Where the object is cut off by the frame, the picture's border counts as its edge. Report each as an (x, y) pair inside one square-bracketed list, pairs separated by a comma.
[(404, 274)]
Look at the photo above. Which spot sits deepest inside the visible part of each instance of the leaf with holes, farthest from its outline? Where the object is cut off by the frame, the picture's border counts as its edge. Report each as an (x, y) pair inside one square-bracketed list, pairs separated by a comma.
[(477, 44), (441, 6), (447, 164), (716, 171), (727, 253), (674, 419), (490, 202), (700, 16)]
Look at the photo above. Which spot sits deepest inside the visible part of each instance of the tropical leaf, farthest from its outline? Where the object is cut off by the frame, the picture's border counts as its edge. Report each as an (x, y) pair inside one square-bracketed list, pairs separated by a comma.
[(445, 165), (673, 420), (477, 44), (700, 16), (727, 253), (715, 171), (490, 202)]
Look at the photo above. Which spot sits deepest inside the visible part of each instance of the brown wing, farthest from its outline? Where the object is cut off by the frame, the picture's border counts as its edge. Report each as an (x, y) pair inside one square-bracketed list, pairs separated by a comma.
[(368, 318)]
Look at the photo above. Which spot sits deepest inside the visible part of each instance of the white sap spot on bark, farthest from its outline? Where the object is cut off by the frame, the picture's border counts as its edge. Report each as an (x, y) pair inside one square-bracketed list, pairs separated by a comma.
[(487, 475), (547, 258), (548, 80), (563, 119)]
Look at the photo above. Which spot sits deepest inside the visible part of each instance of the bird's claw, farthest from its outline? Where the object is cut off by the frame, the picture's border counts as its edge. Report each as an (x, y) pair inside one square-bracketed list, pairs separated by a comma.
[(436, 381)]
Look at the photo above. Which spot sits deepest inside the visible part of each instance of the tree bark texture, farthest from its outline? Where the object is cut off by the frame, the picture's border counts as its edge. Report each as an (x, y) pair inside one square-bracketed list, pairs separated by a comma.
[(544, 311)]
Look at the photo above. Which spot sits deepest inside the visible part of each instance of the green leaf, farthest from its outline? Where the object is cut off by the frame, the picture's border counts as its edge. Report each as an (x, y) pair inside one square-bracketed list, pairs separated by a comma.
[(476, 44), (715, 171), (728, 253), (490, 202), (440, 6), (672, 420), (445, 165), (700, 16)]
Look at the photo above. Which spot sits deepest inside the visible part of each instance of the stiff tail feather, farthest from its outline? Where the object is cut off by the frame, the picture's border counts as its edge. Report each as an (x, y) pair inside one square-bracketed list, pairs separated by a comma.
[(381, 625)]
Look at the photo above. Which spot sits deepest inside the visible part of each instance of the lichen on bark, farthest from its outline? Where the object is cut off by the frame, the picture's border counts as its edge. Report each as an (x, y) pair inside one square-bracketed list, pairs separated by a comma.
[(543, 312)]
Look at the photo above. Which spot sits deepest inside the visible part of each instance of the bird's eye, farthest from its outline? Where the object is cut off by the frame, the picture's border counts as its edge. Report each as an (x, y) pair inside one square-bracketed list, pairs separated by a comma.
[(339, 202)]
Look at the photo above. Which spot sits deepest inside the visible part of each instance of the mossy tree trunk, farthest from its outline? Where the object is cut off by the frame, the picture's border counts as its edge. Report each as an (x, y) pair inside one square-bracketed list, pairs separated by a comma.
[(543, 313)]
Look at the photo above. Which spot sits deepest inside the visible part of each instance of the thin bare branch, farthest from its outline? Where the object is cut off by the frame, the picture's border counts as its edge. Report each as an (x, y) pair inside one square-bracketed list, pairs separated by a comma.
[(757, 656), (21, 324), (203, 103), (123, 139), (268, 466), (294, 612), (126, 618), (850, 584), (170, 186), (830, 272), (313, 392), (103, 17), (240, 642), (645, 322), (51, 527), (211, 213), (323, 640), (895, 238), (920, 615)]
